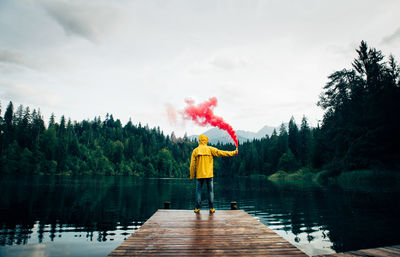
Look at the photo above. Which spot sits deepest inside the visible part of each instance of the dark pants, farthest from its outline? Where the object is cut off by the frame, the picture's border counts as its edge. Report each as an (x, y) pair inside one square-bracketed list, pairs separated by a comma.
[(210, 189)]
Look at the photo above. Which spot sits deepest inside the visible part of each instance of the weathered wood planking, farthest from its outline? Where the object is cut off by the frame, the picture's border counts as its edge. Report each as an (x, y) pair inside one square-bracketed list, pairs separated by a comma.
[(387, 251), (224, 233)]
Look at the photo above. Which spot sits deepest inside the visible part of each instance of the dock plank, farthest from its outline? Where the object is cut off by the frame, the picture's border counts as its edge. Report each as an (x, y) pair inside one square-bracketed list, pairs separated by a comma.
[(224, 233)]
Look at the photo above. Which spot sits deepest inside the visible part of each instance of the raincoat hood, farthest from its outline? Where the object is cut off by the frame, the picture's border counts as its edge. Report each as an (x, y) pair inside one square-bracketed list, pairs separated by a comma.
[(203, 139)]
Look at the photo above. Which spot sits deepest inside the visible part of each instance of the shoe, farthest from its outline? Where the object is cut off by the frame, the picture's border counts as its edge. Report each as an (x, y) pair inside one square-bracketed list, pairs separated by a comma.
[(212, 210), (196, 210)]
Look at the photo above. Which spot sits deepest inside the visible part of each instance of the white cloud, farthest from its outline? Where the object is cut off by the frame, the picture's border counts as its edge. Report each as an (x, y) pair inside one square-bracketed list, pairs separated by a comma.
[(11, 57), (228, 62), (29, 94), (82, 18), (392, 38)]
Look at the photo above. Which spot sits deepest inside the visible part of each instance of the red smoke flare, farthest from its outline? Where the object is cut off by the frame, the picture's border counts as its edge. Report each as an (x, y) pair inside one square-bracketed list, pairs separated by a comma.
[(202, 114)]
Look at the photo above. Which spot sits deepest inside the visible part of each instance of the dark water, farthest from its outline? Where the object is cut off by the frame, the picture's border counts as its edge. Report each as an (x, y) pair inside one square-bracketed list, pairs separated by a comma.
[(63, 216)]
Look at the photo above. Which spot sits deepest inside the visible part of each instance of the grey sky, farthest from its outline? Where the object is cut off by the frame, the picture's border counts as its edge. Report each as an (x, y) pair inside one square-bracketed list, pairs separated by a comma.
[(264, 60)]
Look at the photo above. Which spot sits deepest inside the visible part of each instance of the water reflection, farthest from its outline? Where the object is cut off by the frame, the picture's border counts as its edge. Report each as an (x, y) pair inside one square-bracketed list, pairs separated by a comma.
[(321, 219), (100, 212)]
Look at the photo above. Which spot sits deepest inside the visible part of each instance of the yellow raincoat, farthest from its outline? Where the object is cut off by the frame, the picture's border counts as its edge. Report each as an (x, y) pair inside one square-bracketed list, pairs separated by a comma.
[(202, 158)]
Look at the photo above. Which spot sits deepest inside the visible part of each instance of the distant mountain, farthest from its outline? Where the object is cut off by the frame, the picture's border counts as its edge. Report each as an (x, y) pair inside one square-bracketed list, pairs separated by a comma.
[(266, 130), (220, 136)]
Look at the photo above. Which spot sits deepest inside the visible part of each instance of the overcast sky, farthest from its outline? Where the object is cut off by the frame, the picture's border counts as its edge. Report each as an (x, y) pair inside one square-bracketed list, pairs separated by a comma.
[(264, 60)]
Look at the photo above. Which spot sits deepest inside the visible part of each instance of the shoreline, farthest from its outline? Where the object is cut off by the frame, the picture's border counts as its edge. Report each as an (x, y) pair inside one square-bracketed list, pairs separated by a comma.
[(347, 178)]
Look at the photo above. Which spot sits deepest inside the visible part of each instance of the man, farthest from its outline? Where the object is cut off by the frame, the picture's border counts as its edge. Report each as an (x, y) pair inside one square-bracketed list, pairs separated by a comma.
[(201, 166)]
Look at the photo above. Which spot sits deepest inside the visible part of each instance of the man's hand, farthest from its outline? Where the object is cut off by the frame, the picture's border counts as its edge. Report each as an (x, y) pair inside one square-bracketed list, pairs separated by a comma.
[(236, 151)]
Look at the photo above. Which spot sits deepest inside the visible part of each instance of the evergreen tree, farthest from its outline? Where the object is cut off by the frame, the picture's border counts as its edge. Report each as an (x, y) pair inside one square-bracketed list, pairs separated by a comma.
[(8, 119), (283, 139), (293, 138), (288, 162), (305, 144), (52, 120)]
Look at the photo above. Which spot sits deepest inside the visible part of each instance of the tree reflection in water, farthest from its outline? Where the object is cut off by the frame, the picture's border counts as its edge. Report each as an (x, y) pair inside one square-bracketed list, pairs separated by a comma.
[(318, 219)]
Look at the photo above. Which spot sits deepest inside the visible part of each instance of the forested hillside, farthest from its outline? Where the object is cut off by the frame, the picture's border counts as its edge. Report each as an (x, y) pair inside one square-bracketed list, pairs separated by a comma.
[(360, 130), (88, 147)]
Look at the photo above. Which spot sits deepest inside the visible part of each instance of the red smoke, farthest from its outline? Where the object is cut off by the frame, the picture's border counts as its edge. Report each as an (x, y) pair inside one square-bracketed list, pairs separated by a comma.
[(172, 117), (202, 114)]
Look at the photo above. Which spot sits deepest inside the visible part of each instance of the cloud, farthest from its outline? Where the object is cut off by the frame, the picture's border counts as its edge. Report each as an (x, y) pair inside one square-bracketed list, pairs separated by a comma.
[(392, 38), (227, 63), (343, 50), (15, 58), (82, 19), (26, 94)]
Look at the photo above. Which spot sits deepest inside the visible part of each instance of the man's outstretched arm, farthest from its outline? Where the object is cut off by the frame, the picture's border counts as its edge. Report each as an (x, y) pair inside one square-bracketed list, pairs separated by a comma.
[(217, 153)]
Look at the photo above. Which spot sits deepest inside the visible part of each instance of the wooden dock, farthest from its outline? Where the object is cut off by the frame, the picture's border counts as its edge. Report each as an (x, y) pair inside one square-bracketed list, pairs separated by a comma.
[(388, 251), (224, 233)]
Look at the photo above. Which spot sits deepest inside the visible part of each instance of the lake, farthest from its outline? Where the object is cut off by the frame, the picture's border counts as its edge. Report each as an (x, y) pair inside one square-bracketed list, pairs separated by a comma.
[(90, 216)]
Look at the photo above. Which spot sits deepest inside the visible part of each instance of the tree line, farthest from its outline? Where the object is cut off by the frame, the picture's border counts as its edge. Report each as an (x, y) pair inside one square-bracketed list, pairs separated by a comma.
[(359, 130), (88, 147)]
